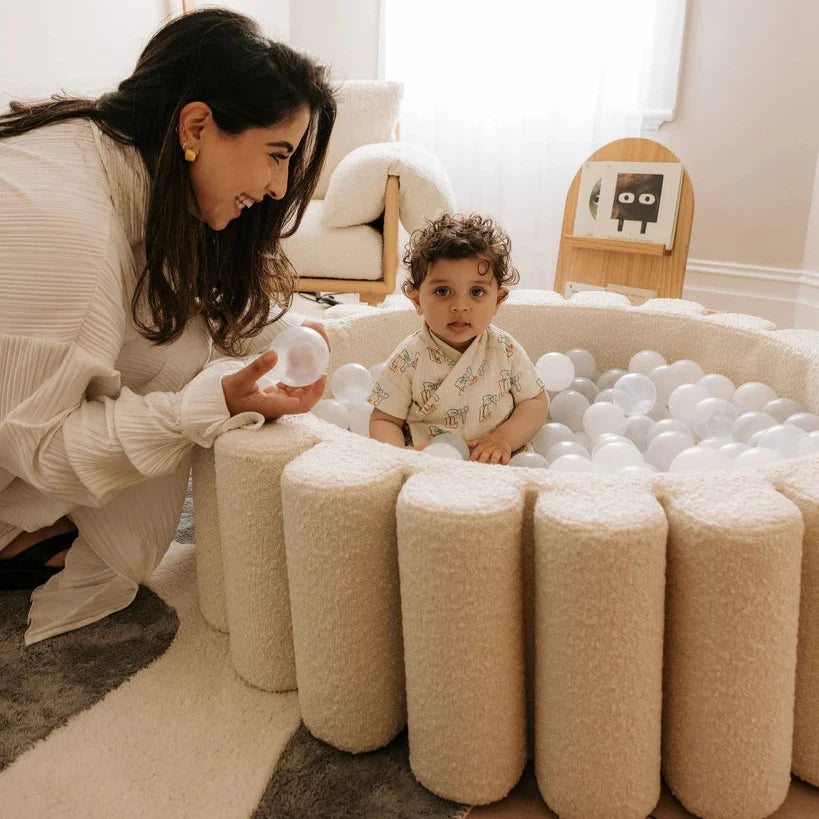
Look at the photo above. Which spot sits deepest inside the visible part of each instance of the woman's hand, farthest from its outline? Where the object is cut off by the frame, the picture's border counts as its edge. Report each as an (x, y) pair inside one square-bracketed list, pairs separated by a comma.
[(244, 394)]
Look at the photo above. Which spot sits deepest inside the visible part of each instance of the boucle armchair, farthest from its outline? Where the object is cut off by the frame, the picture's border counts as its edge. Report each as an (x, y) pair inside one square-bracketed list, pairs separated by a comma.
[(348, 239)]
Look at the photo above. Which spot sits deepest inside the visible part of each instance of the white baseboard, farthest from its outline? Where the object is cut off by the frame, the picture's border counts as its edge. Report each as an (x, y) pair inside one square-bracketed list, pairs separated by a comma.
[(789, 298)]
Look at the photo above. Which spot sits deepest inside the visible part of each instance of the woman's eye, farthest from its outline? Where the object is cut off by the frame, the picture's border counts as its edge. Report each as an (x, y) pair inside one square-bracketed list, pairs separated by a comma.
[(278, 158)]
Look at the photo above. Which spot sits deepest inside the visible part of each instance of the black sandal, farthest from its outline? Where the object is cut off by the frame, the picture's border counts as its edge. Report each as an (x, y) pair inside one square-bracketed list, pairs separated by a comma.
[(27, 570)]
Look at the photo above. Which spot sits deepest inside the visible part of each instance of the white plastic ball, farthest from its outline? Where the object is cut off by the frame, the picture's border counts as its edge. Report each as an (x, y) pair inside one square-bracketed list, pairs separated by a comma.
[(440, 449), (584, 440), (638, 469), (549, 435), (645, 361), (530, 460), (585, 386), (782, 408), (635, 394), (605, 396), (807, 420), (784, 438), (750, 422), (303, 356), (615, 456), (453, 440), (658, 412), (566, 448), (682, 403), (666, 380), (754, 439), (568, 407), (584, 364), (733, 448), (713, 417), (610, 438), (715, 442), (609, 378), (663, 448), (668, 425), (718, 385), (699, 459), (572, 463), (556, 371), (360, 418), (809, 444), (688, 370), (332, 411), (351, 383), (637, 427), (751, 396), (600, 418), (756, 456)]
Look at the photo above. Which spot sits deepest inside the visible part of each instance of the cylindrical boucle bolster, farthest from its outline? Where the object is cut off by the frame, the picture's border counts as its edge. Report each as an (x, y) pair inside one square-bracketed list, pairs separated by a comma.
[(460, 564), (732, 611), (802, 488), (249, 466), (209, 572), (600, 589), (339, 509)]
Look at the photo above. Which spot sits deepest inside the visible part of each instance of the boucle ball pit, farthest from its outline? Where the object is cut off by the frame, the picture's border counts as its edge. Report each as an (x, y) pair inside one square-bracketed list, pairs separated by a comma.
[(612, 628)]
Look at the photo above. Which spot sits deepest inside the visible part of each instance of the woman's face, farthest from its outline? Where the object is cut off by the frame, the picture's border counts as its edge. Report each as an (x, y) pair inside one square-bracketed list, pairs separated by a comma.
[(233, 173)]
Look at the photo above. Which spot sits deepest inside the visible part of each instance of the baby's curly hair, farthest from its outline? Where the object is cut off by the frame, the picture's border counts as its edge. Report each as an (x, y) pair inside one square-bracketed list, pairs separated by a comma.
[(459, 236)]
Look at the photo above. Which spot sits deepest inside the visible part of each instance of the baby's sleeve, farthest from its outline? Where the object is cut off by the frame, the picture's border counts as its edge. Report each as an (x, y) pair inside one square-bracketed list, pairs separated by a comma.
[(392, 391), (525, 381)]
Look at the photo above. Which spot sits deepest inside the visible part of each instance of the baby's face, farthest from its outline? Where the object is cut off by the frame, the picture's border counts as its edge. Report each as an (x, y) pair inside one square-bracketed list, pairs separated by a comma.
[(458, 299)]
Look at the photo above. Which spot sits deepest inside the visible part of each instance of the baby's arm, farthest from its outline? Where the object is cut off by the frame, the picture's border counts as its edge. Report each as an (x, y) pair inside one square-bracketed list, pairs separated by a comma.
[(518, 429), (386, 428)]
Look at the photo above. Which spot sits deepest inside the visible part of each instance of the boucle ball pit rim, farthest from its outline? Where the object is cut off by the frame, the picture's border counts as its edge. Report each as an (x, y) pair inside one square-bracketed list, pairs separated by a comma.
[(304, 450)]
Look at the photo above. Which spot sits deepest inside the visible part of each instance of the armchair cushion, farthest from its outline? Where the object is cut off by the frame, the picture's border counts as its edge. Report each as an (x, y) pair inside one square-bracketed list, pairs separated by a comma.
[(367, 112), (355, 194)]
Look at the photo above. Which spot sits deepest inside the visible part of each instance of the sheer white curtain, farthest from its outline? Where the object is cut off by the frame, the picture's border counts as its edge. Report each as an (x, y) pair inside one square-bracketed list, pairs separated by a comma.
[(513, 95)]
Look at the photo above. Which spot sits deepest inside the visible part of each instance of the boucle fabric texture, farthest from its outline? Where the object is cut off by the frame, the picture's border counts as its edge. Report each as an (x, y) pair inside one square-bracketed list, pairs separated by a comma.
[(632, 625)]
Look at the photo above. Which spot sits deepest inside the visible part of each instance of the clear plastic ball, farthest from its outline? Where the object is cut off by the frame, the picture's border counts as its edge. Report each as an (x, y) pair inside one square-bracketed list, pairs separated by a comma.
[(549, 435), (332, 411), (303, 356), (566, 448), (360, 418), (784, 438), (782, 408), (351, 383), (688, 370), (750, 422), (645, 361), (453, 440), (585, 386), (718, 385), (600, 418), (609, 378), (714, 417), (751, 396), (614, 456), (530, 460), (754, 457), (568, 407), (440, 449), (668, 425), (683, 402), (584, 440), (700, 459), (556, 371), (605, 396), (610, 438), (733, 448), (635, 394), (584, 364), (572, 463), (663, 448), (666, 380), (807, 420), (637, 427)]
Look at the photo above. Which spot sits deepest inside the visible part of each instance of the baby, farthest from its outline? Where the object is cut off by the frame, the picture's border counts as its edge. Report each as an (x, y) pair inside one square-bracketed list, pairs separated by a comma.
[(459, 373)]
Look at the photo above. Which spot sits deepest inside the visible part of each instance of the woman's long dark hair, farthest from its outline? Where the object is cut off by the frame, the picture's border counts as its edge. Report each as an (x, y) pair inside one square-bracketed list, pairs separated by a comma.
[(232, 276)]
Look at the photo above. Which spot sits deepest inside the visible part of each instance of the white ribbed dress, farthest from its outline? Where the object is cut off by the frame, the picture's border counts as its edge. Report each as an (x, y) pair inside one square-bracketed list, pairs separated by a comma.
[(95, 421)]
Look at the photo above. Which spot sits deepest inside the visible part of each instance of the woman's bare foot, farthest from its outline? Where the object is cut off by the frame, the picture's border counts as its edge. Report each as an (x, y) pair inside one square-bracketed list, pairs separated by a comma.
[(26, 539)]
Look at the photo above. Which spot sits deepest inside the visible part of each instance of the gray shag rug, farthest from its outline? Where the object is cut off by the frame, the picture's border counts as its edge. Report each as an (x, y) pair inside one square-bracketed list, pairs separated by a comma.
[(314, 779), (43, 685)]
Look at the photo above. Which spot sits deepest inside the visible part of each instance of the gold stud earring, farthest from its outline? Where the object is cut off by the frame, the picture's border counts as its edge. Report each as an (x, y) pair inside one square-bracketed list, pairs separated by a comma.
[(190, 154)]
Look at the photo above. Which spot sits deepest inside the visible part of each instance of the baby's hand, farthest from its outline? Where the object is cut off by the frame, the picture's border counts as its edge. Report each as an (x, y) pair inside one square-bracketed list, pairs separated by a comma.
[(491, 449)]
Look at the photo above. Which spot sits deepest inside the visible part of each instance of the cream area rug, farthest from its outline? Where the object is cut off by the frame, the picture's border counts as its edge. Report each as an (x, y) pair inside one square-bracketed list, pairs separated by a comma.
[(142, 715)]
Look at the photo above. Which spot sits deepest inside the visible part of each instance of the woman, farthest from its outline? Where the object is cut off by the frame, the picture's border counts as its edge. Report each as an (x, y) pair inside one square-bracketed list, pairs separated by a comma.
[(139, 235)]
